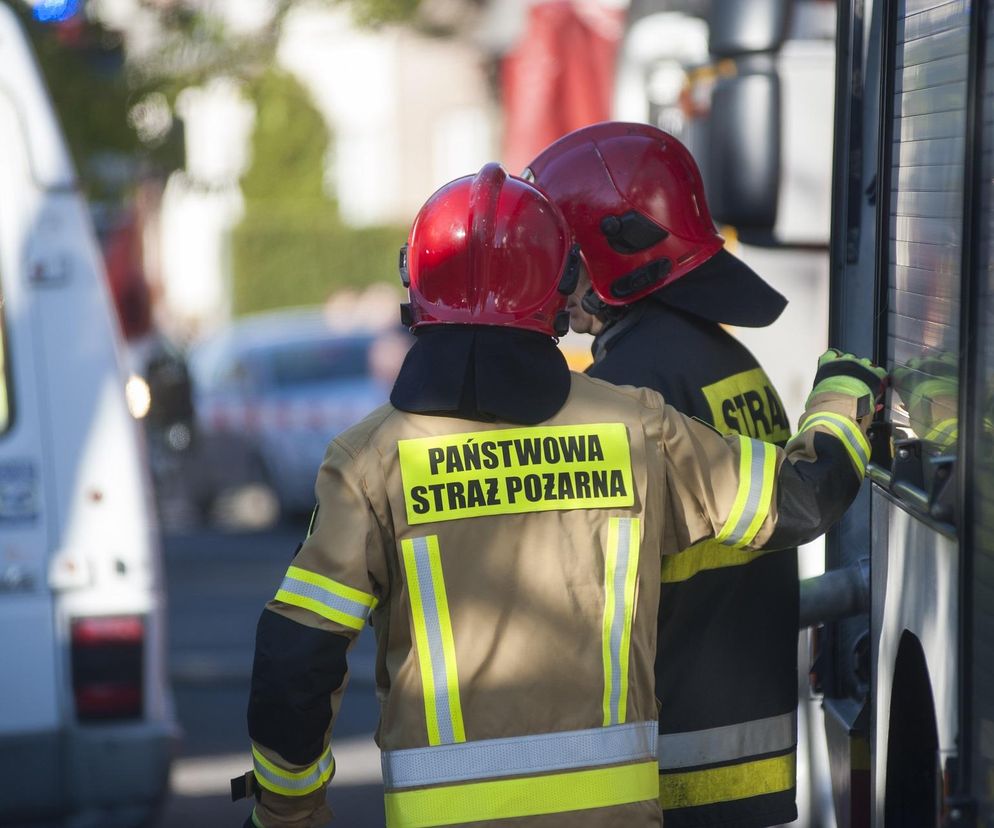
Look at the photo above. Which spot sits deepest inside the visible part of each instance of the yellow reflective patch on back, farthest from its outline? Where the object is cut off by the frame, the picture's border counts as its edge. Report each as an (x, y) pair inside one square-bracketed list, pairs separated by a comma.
[(747, 403), (513, 470)]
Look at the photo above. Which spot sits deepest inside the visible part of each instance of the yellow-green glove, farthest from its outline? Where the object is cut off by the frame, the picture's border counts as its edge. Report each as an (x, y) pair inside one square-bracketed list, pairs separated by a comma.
[(840, 373)]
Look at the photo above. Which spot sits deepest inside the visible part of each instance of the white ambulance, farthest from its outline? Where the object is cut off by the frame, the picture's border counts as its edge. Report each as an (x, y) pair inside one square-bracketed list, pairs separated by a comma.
[(86, 719)]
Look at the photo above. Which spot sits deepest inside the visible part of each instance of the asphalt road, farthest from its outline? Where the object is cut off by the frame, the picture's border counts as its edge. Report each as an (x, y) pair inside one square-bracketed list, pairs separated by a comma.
[(217, 584)]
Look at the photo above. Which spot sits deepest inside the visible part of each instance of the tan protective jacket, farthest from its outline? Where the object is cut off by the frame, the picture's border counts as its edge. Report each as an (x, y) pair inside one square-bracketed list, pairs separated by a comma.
[(511, 575)]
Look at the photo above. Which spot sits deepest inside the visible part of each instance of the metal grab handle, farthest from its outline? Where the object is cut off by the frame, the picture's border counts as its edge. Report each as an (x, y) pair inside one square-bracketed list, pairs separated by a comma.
[(839, 593)]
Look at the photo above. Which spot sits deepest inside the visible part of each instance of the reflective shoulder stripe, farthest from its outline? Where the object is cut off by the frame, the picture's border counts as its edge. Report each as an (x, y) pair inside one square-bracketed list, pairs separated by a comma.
[(701, 557), (725, 784), (293, 783), (555, 793), (944, 433), (435, 644), (847, 431), (325, 597), (757, 470), (620, 570), (519, 755), (727, 744)]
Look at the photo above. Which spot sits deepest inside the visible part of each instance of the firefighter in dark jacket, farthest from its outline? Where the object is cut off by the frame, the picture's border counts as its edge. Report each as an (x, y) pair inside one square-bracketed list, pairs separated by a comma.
[(501, 523), (657, 286)]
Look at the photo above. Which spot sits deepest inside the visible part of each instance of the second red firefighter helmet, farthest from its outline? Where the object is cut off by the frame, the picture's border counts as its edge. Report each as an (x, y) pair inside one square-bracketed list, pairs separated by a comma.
[(634, 198), (490, 249)]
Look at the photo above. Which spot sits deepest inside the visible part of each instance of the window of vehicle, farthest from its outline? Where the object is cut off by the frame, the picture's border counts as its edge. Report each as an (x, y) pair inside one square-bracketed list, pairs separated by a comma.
[(925, 216), (5, 415), (320, 361)]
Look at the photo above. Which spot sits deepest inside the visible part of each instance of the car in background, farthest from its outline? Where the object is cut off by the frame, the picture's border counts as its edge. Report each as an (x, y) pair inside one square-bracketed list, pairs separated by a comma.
[(271, 391)]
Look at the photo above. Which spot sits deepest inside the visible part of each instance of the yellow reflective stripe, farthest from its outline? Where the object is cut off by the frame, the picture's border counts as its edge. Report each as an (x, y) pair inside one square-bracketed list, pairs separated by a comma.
[(530, 796), (434, 640), (701, 557), (944, 433), (765, 495), (740, 781), (293, 783), (620, 576), (752, 500), (330, 599), (847, 431), (256, 821)]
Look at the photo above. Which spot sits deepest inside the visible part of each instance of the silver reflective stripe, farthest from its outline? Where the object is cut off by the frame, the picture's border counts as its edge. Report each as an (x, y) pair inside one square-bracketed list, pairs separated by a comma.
[(846, 428), (294, 780), (346, 606), (755, 494), (519, 755), (436, 652), (620, 610), (726, 744)]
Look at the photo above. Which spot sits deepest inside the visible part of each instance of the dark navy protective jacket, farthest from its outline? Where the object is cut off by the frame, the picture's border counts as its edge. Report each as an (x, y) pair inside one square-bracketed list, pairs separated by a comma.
[(726, 662)]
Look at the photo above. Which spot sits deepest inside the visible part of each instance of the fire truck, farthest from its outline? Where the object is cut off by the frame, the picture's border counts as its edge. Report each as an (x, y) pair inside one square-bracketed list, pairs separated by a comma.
[(909, 692), (907, 678)]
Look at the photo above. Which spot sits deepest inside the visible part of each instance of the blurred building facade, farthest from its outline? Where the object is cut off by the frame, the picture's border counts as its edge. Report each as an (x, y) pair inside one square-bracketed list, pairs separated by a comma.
[(407, 111)]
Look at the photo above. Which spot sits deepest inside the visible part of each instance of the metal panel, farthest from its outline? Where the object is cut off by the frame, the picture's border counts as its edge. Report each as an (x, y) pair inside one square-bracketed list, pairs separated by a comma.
[(922, 306), (923, 230), (943, 17), (921, 281), (927, 75), (949, 97), (929, 205), (916, 153), (926, 50), (917, 127), (935, 178)]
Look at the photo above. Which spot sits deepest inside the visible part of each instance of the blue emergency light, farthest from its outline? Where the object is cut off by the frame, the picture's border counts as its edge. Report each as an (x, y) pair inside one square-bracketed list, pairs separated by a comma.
[(54, 11)]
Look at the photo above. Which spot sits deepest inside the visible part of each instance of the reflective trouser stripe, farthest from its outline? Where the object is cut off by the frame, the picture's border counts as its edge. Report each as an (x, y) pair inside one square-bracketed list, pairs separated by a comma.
[(620, 570), (435, 645), (529, 796), (741, 781), (519, 755), (706, 555), (727, 744), (847, 431), (757, 468), (293, 783), (330, 599)]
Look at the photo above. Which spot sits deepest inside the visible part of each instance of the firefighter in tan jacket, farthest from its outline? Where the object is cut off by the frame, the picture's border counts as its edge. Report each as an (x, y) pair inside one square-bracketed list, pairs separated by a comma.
[(500, 524)]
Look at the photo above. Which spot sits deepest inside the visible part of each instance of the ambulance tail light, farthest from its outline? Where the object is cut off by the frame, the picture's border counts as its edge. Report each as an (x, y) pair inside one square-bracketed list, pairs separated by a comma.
[(107, 655)]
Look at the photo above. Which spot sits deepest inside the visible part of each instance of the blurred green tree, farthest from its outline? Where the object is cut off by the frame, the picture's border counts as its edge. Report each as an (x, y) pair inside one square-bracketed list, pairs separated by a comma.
[(291, 246), (84, 69)]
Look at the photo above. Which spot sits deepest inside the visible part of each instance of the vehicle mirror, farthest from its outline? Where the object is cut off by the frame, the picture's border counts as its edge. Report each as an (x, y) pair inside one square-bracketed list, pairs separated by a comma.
[(739, 27), (743, 153)]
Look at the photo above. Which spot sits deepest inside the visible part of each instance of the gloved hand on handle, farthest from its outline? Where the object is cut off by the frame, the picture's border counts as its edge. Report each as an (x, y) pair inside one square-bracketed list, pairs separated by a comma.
[(841, 373)]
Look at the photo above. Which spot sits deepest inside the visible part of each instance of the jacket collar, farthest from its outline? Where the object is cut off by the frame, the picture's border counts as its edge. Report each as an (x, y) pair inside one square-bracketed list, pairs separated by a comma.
[(484, 373)]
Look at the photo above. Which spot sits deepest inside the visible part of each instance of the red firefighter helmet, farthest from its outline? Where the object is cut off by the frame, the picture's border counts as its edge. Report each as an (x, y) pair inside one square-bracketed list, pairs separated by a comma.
[(634, 198), (490, 249)]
